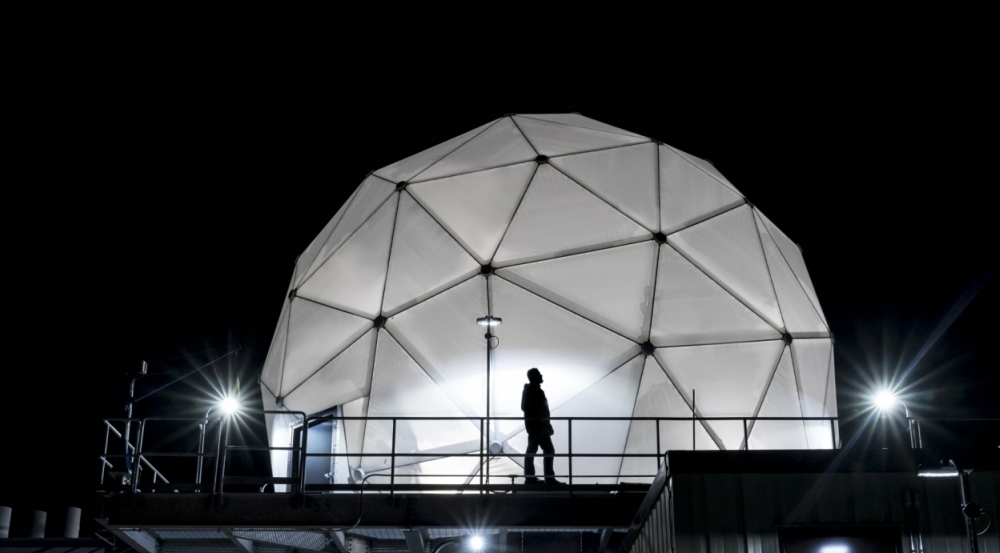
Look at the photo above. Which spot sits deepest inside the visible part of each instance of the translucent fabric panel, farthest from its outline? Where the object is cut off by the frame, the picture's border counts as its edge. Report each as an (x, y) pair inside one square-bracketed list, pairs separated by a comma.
[(781, 400), (688, 194), (501, 144), (400, 388), (801, 318), (812, 359), (278, 435), (445, 470), (691, 308), (412, 166), (793, 256), (369, 197), (270, 375), (316, 334), (730, 380), (707, 167), (441, 334), (623, 177), (424, 260), (476, 208), (503, 467), (657, 397), (728, 248), (577, 120), (612, 287), (344, 379), (552, 139), (305, 260), (611, 396), (559, 217), (354, 430), (354, 278), (571, 352)]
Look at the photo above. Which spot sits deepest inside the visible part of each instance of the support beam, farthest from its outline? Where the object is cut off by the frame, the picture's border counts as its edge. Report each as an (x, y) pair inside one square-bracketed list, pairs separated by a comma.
[(245, 545), (414, 541), (339, 541), (605, 539)]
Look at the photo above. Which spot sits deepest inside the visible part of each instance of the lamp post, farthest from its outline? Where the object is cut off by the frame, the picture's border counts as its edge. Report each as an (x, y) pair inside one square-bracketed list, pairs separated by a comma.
[(970, 510), (489, 322), (229, 405), (886, 401)]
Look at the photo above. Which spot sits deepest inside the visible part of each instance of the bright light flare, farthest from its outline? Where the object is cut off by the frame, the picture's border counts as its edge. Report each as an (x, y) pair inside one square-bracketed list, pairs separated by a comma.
[(885, 400), (835, 549), (489, 321), (229, 405), (476, 543)]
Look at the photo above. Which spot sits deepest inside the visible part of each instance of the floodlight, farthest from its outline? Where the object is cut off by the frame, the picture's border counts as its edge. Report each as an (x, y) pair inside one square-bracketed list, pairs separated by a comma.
[(885, 400), (835, 549), (476, 543), (489, 321), (229, 405), (937, 471)]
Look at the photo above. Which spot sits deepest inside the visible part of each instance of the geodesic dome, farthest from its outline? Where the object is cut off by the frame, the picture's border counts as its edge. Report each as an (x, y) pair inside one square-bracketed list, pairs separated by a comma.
[(630, 273)]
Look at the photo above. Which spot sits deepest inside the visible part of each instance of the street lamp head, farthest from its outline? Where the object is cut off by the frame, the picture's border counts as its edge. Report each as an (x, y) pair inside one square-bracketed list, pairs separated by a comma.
[(476, 543), (885, 400), (229, 405), (489, 321)]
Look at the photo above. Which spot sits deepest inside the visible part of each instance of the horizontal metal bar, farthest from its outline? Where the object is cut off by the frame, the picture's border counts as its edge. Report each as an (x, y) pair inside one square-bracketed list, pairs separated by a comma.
[(679, 419), (475, 454)]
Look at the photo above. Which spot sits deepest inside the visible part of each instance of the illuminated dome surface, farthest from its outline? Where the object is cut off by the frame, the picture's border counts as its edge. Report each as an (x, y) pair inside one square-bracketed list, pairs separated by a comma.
[(588, 241)]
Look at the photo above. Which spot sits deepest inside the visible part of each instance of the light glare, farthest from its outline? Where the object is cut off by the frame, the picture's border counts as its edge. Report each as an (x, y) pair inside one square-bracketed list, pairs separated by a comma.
[(476, 543), (885, 400), (229, 405), (834, 549)]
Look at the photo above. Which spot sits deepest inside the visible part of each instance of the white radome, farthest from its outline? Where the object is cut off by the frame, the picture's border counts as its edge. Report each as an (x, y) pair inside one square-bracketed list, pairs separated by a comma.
[(589, 242)]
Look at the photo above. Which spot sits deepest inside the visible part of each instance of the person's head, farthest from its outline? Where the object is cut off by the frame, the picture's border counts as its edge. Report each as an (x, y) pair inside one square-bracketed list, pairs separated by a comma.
[(534, 376)]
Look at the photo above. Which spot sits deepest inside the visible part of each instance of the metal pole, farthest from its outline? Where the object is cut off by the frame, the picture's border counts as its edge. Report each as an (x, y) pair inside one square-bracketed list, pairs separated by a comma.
[(222, 463), (569, 426), (392, 468), (489, 351), (657, 443), (833, 435), (970, 525), (482, 467), (694, 422), (746, 437), (128, 413)]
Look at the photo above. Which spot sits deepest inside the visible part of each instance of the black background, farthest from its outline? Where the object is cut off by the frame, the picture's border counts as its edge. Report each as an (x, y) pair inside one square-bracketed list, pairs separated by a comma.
[(160, 185)]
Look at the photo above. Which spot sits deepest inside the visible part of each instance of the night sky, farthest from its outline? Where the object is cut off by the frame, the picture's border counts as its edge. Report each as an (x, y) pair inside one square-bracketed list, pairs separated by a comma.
[(159, 195)]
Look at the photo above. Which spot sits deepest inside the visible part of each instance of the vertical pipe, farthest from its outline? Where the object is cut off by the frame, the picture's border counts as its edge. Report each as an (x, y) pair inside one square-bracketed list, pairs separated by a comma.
[(489, 351), (305, 450), (222, 463), (72, 529), (38, 525), (201, 452), (482, 467), (970, 525), (569, 425), (657, 444), (5, 513), (746, 437), (833, 435)]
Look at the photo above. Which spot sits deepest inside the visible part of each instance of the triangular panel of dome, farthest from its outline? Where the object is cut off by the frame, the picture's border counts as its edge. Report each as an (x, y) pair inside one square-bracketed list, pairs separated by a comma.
[(559, 217), (623, 177), (571, 352), (553, 139), (501, 144), (424, 258), (708, 168), (781, 400), (476, 208), (812, 359), (613, 287), (800, 317), (729, 380), (445, 470), (400, 388), (441, 334), (354, 430), (345, 378), (316, 334), (354, 278), (728, 248), (793, 256), (270, 375), (611, 396), (367, 199), (577, 120), (412, 166), (691, 308), (657, 397), (305, 260), (502, 468), (688, 194)]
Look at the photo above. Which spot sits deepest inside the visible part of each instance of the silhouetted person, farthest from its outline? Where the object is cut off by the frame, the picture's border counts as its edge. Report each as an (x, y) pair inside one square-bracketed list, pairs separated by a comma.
[(538, 427)]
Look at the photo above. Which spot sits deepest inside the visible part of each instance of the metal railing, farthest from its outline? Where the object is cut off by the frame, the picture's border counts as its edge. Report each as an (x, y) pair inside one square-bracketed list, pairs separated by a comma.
[(299, 453)]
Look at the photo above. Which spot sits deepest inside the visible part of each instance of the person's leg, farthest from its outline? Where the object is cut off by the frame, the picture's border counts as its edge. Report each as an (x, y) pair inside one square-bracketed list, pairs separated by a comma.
[(529, 460), (548, 449)]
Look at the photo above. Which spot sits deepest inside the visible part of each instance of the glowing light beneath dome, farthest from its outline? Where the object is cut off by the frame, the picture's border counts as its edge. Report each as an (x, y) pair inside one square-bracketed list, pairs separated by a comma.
[(476, 543), (885, 400), (229, 405)]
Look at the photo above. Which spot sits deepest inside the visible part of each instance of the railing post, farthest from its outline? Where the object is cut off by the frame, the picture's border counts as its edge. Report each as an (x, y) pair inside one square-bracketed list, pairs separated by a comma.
[(482, 467), (570, 451), (392, 468), (746, 437), (215, 469), (657, 444), (225, 453), (302, 456), (833, 435), (694, 421), (136, 451)]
